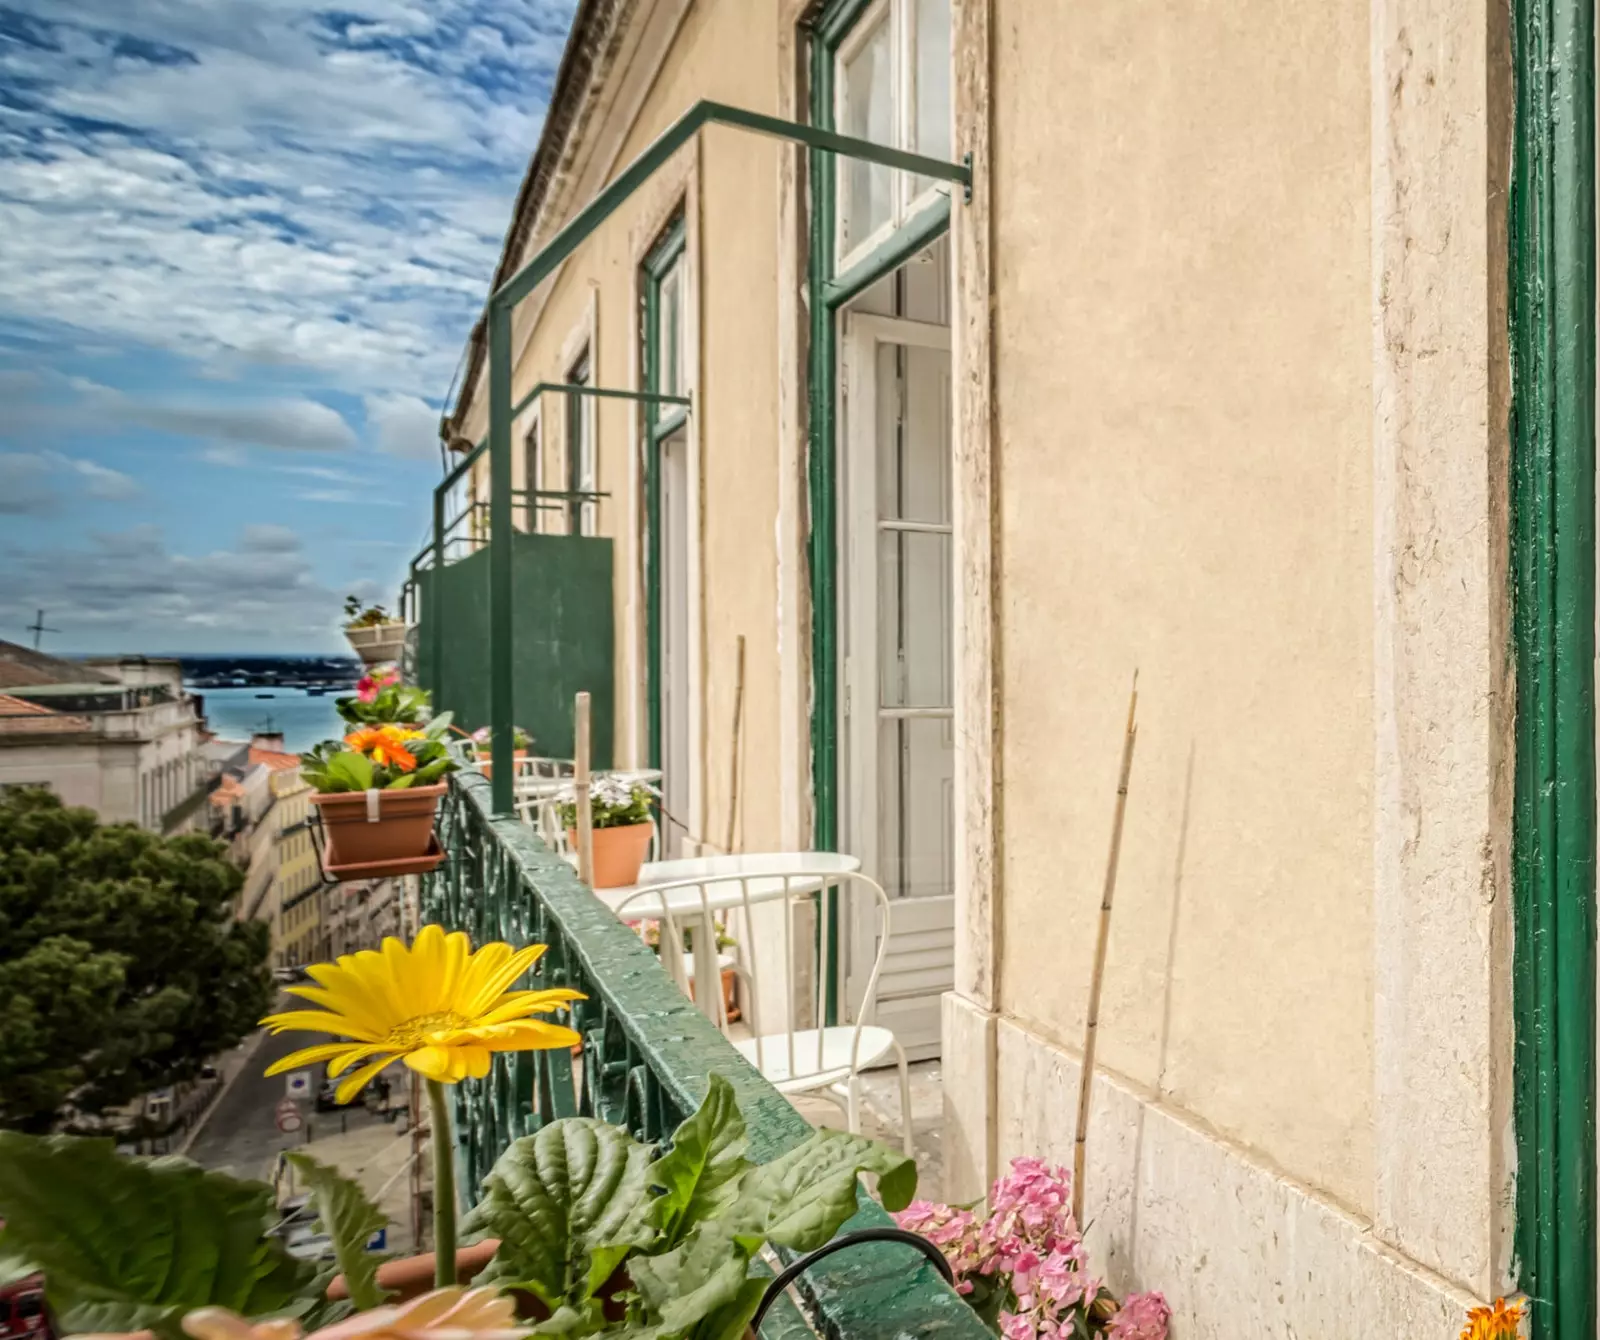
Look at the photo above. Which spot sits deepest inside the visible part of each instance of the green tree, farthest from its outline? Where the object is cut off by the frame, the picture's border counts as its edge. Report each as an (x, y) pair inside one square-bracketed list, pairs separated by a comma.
[(121, 967)]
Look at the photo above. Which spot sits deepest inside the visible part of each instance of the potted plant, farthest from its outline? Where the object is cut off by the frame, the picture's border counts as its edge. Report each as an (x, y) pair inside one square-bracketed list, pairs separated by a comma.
[(377, 791), (381, 699), (483, 741), (372, 633), (619, 813)]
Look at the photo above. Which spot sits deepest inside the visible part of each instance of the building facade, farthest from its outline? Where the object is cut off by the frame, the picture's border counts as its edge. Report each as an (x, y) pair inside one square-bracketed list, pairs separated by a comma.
[(133, 753), (1203, 375)]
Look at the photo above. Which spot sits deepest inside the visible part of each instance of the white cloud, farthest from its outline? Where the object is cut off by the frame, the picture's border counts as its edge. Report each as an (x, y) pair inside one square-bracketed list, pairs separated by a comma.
[(405, 426), (279, 182), (102, 481), (231, 457), (291, 423), (127, 588), (25, 483), (37, 482)]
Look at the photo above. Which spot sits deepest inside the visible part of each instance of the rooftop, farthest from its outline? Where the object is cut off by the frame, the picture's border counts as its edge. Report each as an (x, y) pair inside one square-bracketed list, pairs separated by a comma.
[(19, 717), (21, 666)]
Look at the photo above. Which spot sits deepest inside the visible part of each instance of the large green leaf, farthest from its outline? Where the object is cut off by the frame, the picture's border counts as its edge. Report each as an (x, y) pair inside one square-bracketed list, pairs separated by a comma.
[(155, 1236), (567, 1204), (705, 1273), (349, 1219), (732, 1319), (699, 1178), (801, 1198)]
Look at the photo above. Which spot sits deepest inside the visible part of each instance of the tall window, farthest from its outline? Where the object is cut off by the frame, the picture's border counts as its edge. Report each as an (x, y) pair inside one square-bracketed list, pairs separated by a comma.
[(532, 474), (582, 473), (891, 85)]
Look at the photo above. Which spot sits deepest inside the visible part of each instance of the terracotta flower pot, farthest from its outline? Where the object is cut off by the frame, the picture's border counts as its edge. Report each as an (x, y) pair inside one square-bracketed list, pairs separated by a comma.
[(730, 981), (399, 827), (618, 853)]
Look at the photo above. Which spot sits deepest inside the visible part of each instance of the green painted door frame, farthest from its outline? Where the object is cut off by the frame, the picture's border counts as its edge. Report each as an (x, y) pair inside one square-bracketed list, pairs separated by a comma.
[(1552, 297), (661, 420), (829, 292)]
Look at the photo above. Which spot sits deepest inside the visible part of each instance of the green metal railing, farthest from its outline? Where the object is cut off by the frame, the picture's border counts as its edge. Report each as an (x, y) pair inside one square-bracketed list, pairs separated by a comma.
[(647, 1057)]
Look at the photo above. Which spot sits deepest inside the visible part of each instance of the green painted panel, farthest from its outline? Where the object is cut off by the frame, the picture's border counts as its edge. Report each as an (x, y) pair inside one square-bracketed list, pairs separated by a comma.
[(561, 644)]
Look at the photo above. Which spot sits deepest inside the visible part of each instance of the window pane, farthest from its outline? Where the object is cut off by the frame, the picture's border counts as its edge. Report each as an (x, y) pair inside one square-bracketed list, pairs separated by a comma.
[(914, 616), (913, 446), (916, 808), (866, 110), (933, 80), (671, 331)]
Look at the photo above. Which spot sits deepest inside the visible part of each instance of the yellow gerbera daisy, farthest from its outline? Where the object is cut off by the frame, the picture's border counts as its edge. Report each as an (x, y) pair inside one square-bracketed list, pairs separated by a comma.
[(438, 1006)]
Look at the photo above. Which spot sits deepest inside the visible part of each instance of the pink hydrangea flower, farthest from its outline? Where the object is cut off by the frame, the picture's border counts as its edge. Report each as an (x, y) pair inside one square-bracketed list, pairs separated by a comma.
[(1142, 1316)]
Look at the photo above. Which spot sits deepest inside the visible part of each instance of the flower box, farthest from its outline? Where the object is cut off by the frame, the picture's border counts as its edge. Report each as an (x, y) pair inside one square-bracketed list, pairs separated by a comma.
[(378, 643), (380, 827)]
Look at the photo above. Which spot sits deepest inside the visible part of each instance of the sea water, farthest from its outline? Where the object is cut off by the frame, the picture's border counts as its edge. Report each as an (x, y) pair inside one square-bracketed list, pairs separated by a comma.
[(302, 719)]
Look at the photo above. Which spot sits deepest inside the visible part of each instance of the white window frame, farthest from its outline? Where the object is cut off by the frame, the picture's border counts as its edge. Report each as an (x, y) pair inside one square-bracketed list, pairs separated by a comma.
[(533, 467), (905, 201)]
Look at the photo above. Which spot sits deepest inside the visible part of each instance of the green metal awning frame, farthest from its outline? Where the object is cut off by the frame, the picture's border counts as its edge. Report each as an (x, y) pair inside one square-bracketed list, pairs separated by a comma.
[(502, 411)]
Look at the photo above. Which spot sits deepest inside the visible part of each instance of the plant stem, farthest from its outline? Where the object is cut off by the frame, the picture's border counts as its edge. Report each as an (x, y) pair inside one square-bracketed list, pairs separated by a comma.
[(444, 1186)]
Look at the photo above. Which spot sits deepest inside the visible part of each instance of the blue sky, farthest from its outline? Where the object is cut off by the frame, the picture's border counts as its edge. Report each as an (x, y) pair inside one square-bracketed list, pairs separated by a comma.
[(241, 245)]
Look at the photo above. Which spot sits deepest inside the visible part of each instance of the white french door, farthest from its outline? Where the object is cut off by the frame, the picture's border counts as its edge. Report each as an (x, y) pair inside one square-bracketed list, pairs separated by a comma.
[(898, 747)]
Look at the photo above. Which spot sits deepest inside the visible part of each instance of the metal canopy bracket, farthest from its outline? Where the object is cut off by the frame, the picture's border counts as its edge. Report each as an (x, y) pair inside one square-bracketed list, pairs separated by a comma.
[(502, 411)]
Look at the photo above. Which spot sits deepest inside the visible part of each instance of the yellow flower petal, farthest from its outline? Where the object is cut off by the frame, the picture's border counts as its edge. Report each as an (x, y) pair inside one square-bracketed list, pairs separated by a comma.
[(308, 1055)]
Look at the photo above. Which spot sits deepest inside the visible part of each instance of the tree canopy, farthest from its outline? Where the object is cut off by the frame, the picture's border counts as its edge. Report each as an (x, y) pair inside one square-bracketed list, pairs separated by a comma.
[(121, 967)]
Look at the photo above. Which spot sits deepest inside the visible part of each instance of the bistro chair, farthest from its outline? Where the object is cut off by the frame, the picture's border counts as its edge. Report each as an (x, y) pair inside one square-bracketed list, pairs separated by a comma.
[(826, 1060)]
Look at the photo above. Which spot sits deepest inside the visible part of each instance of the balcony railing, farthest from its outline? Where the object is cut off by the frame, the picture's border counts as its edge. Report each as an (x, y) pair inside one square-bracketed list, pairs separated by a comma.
[(647, 1056)]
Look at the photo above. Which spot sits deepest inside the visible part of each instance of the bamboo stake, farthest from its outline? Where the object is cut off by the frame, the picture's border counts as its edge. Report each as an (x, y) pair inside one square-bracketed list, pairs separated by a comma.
[(1091, 1025), (733, 761), (580, 784)]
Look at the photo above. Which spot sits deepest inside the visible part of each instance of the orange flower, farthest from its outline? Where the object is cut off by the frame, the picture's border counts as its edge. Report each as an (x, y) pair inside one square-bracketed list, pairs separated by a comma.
[(1500, 1322), (385, 745)]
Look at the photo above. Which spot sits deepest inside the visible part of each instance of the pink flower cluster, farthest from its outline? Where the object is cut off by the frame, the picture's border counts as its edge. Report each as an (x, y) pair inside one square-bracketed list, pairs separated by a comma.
[(371, 685), (1030, 1247)]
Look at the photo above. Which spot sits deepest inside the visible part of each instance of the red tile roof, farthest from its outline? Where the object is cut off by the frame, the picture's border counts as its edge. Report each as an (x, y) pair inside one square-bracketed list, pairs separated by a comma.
[(274, 759), (19, 717)]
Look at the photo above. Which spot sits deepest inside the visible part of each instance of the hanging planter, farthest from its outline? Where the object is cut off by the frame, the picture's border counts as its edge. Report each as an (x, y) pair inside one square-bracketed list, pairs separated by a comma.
[(380, 832), (377, 792), (372, 634), (482, 738)]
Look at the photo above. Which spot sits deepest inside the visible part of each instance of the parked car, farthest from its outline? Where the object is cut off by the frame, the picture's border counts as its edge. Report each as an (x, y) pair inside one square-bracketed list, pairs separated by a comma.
[(22, 1310), (306, 1244), (326, 1101)]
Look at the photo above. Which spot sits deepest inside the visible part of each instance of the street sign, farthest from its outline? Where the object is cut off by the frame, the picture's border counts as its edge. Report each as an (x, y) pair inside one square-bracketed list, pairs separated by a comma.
[(288, 1119), (379, 1241), (298, 1084)]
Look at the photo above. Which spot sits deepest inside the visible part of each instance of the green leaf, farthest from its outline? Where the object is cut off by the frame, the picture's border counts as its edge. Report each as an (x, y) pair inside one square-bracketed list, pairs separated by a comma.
[(349, 1219), (695, 1279), (350, 771), (801, 1198), (567, 1204), (699, 1177), (161, 1233), (732, 1320), (401, 782), (440, 724)]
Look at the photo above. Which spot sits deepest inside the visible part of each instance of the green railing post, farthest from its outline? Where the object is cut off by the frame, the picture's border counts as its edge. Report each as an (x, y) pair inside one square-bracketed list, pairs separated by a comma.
[(501, 662)]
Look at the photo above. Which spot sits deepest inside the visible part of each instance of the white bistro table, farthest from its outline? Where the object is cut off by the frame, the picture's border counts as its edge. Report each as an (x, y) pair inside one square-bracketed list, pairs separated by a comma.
[(698, 886)]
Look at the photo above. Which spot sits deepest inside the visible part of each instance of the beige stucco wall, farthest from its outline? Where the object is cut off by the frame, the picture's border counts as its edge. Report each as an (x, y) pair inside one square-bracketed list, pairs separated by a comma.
[(1183, 392), (727, 184)]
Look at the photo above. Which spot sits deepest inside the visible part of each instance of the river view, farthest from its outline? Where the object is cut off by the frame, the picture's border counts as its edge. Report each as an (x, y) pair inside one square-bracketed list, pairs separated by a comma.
[(304, 719)]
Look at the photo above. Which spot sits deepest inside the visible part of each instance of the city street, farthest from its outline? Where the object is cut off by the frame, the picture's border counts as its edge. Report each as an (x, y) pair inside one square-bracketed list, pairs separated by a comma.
[(242, 1134)]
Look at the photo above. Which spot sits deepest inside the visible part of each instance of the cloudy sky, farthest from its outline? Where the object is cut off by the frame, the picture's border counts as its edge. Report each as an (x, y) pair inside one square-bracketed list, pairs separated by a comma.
[(241, 245)]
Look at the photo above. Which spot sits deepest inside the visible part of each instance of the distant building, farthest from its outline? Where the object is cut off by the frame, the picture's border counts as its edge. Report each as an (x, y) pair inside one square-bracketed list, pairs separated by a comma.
[(120, 736), (298, 931)]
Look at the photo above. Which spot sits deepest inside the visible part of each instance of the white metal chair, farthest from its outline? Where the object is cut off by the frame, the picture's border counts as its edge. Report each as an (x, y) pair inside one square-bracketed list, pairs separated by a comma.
[(826, 1060)]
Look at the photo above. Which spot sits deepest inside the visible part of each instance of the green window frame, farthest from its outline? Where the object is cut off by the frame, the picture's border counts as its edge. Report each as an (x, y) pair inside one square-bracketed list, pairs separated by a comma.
[(829, 289), (661, 420)]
